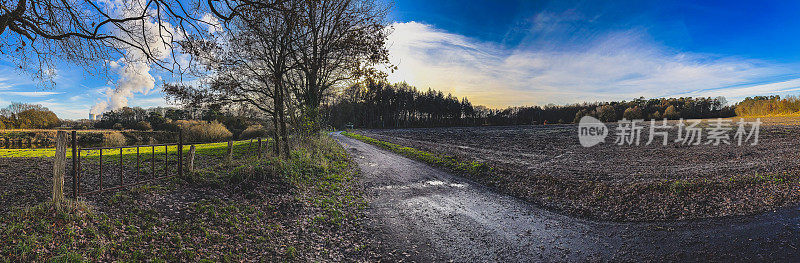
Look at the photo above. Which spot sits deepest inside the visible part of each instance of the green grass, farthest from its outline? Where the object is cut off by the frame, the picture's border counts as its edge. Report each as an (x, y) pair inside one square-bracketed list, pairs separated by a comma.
[(316, 199), (206, 148), (742, 181), (449, 162)]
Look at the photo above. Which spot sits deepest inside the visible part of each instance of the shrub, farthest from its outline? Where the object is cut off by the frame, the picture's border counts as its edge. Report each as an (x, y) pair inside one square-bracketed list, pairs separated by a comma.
[(117, 126), (37, 118), (90, 138), (253, 131), (195, 131), (142, 126), (83, 126), (170, 125), (6, 123), (113, 139)]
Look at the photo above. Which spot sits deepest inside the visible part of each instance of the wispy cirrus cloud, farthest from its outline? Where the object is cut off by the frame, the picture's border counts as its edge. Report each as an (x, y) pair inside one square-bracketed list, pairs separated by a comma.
[(30, 93), (4, 85), (11, 79), (603, 66), (63, 109), (774, 88)]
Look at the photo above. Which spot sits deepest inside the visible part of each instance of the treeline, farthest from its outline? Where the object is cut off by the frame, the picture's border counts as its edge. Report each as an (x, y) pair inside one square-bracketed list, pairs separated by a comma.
[(380, 105), (768, 105), (207, 124), (27, 116), (383, 105)]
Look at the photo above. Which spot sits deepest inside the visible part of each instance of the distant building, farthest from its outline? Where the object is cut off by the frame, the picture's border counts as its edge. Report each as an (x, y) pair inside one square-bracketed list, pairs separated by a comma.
[(95, 117)]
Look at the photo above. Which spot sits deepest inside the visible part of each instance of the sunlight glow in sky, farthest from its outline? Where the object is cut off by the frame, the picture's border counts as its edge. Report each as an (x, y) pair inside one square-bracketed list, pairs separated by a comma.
[(513, 53)]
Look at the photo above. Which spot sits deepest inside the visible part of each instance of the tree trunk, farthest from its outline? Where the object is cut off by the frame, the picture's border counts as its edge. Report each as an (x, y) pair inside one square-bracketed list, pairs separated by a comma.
[(229, 156), (276, 149), (282, 120), (191, 159), (312, 100)]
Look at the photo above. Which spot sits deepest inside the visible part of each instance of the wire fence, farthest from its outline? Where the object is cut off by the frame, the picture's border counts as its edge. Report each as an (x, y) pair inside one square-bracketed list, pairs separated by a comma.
[(102, 169)]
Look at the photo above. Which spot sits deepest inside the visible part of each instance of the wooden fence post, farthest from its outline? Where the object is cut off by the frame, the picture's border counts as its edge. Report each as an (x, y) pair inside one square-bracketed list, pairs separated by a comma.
[(137, 162), (229, 157), (101, 169), (74, 165), (180, 153), (259, 147), (166, 160), (153, 162), (191, 159), (59, 166), (121, 180)]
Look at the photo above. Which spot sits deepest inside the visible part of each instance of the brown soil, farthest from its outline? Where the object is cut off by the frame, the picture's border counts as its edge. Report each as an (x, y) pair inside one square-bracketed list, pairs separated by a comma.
[(547, 165)]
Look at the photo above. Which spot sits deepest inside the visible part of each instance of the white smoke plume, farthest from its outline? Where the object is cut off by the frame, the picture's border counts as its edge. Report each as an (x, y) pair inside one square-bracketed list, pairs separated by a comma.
[(133, 69), (134, 77)]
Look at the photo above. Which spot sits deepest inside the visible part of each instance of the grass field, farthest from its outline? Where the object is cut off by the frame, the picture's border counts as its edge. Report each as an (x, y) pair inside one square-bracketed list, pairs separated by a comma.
[(50, 152), (54, 130), (304, 208)]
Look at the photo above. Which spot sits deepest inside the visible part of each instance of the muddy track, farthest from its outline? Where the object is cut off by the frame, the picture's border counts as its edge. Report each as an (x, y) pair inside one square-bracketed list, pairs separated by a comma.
[(426, 214), (545, 165)]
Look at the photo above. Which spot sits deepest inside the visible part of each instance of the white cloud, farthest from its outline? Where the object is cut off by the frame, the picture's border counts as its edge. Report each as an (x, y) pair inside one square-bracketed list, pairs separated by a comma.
[(782, 87), (13, 79), (133, 70), (212, 23), (615, 66)]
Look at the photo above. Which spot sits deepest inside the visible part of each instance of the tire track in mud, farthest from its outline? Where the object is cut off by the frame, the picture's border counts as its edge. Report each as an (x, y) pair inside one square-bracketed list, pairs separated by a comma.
[(426, 214)]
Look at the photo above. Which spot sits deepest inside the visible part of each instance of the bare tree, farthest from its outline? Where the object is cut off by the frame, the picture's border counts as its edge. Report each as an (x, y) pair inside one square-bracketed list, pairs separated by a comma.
[(250, 65), (283, 59), (16, 107), (34, 33), (338, 41)]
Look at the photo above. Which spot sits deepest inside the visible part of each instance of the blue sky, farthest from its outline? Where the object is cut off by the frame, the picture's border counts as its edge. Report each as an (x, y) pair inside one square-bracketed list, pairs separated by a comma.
[(502, 53), (512, 53), (758, 29)]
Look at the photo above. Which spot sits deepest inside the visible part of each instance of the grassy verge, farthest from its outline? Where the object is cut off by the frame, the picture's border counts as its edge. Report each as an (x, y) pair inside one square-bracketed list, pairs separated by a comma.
[(440, 160), (303, 208), (50, 152)]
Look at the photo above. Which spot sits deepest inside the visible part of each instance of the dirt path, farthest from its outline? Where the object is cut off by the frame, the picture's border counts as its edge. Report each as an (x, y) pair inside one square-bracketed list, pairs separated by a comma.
[(425, 214)]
